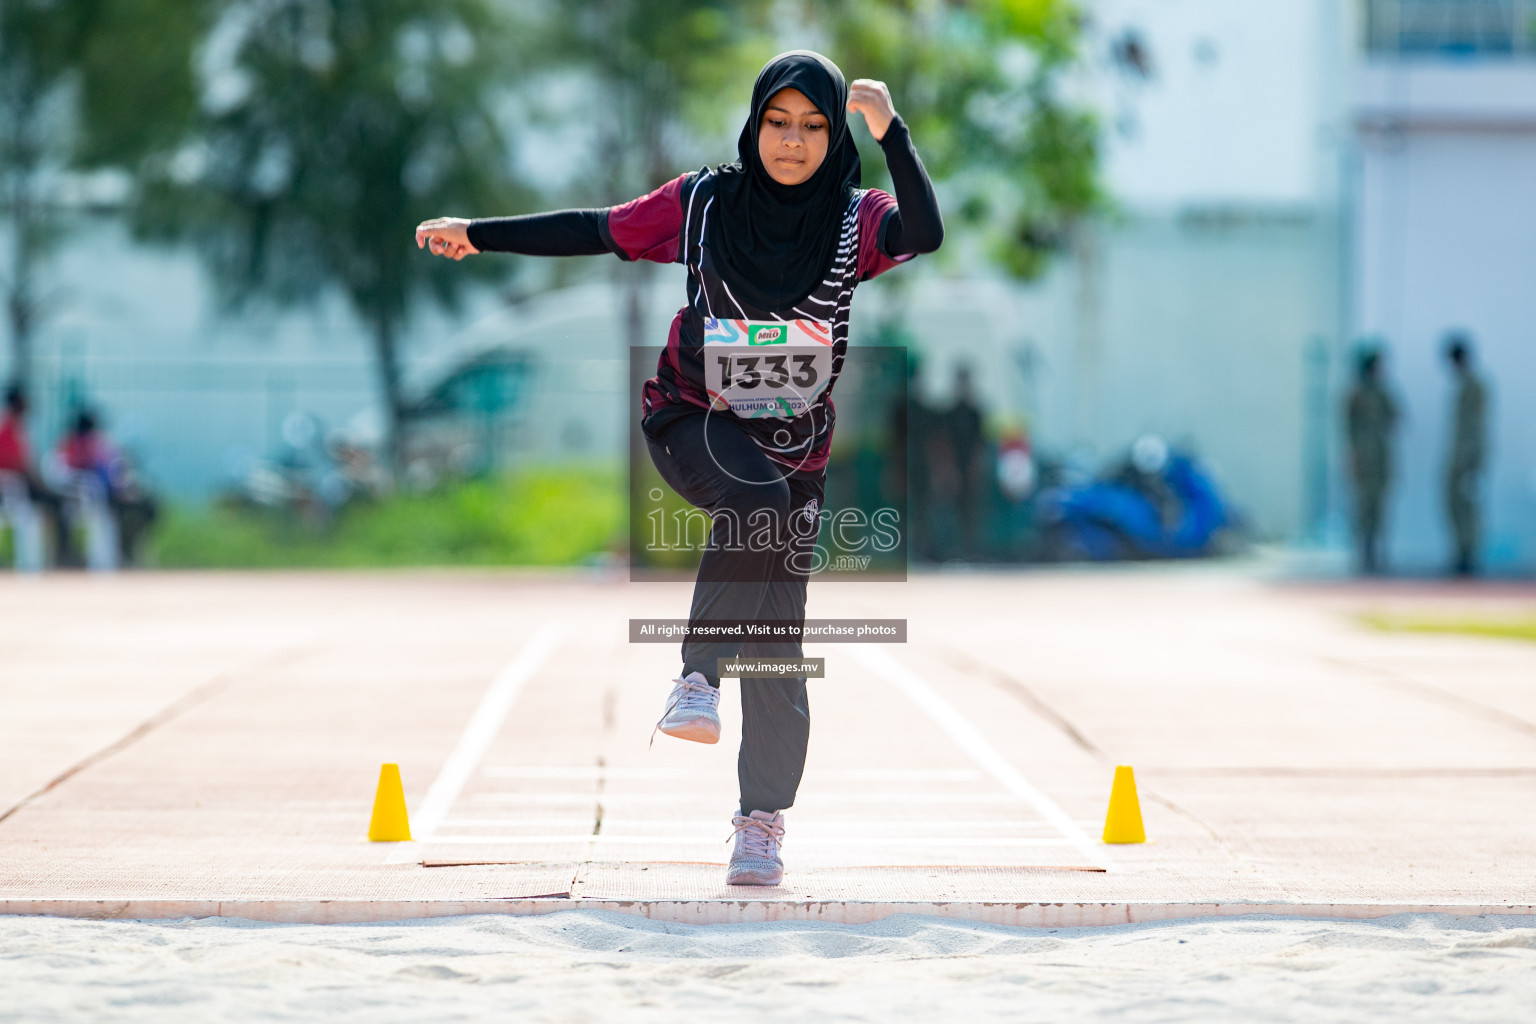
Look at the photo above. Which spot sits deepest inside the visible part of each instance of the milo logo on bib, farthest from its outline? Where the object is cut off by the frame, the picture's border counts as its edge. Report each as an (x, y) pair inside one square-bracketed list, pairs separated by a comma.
[(766, 334)]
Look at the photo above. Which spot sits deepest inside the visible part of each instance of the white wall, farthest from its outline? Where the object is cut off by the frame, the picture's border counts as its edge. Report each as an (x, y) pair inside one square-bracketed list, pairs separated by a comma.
[(1231, 112)]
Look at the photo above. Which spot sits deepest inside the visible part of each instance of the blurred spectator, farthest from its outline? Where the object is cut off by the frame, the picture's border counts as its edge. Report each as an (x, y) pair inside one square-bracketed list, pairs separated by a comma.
[(87, 450), (1016, 472), (1145, 472), (1370, 416), (919, 446), (963, 425), (1011, 535), (16, 459), (1468, 447)]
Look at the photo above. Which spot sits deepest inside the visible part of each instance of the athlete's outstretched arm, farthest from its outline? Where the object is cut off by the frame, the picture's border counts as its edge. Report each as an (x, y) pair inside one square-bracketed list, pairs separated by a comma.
[(561, 233), (641, 229), (915, 225)]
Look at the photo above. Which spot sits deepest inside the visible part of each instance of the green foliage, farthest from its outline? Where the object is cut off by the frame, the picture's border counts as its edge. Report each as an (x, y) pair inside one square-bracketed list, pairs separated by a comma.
[(137, 90), (979, 82), (40, 43), (562, 515), (35, 46), (666, 71)]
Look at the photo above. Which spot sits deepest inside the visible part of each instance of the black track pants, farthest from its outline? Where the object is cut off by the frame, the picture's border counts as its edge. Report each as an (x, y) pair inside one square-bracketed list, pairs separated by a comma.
[(752, 569)]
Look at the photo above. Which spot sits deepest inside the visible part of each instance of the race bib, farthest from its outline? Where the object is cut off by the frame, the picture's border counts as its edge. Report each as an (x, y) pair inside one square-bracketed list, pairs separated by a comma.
[(773, 368)]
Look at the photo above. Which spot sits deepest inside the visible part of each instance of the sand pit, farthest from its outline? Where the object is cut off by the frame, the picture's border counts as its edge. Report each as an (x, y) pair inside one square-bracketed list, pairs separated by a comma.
[(593, 966)]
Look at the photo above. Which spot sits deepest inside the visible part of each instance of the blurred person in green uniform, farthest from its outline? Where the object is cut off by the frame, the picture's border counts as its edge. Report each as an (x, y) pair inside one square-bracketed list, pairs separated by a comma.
[(916, 436), (1469, 446), (1370, 417), (965, 423)]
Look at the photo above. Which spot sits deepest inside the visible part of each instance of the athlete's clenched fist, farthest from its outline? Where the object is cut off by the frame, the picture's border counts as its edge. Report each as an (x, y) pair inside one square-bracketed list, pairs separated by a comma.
[(445, 236), (872, 99)]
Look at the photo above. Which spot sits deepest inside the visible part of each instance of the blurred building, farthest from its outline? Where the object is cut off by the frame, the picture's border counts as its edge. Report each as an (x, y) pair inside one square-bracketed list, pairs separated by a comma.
[(1442, 200)]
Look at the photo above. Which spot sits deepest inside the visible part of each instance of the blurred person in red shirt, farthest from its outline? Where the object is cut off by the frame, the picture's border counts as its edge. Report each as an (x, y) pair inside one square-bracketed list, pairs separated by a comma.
[(16, 458), (86, 449)]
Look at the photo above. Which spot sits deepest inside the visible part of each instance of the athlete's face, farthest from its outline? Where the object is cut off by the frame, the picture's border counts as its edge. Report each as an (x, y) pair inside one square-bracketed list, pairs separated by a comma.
[(792, 140)]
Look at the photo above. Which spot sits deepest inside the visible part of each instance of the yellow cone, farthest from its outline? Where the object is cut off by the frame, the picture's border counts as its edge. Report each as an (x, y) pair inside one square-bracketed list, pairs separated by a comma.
[(1123, 822), (389, 824)]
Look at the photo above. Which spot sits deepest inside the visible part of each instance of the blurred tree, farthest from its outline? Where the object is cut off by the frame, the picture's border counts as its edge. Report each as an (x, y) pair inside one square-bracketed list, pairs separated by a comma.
[(82, 83), (665, 72), (980, 82), (37, 39), (327, 130), (137, 86)]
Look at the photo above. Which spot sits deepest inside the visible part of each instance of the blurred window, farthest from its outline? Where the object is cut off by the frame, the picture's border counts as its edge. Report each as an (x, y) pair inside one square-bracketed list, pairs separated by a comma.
[(1451, 27)]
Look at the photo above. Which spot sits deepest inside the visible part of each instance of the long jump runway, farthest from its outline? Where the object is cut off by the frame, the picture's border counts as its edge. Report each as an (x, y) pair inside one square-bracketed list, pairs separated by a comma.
[(207, 744)]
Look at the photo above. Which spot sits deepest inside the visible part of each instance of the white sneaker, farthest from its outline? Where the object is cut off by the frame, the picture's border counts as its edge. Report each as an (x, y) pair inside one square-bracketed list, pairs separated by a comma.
[(693, 711), (756, 860)]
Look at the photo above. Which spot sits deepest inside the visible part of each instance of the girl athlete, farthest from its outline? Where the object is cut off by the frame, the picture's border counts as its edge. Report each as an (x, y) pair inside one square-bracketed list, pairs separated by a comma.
[(739, 416)]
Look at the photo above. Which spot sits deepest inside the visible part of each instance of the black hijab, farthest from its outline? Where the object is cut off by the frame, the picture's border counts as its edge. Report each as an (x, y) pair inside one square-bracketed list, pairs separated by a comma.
[(774, 243)]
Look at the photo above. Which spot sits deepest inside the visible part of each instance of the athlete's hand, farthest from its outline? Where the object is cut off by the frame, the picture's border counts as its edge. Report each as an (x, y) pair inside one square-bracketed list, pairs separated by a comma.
[(872, 99), (445, 236)]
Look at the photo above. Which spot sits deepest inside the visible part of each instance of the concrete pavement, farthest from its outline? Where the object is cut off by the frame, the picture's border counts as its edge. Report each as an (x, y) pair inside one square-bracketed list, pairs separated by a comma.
[(176, 744)]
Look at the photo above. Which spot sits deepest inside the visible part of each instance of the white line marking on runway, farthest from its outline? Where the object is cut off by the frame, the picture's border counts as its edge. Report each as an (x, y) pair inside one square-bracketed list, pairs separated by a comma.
[(876, 826), (479, 733), (514, 823), (580, 772), (605, 839), (898, 775), (590, 799), (592, 771), (973, 742), (726, 797)]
